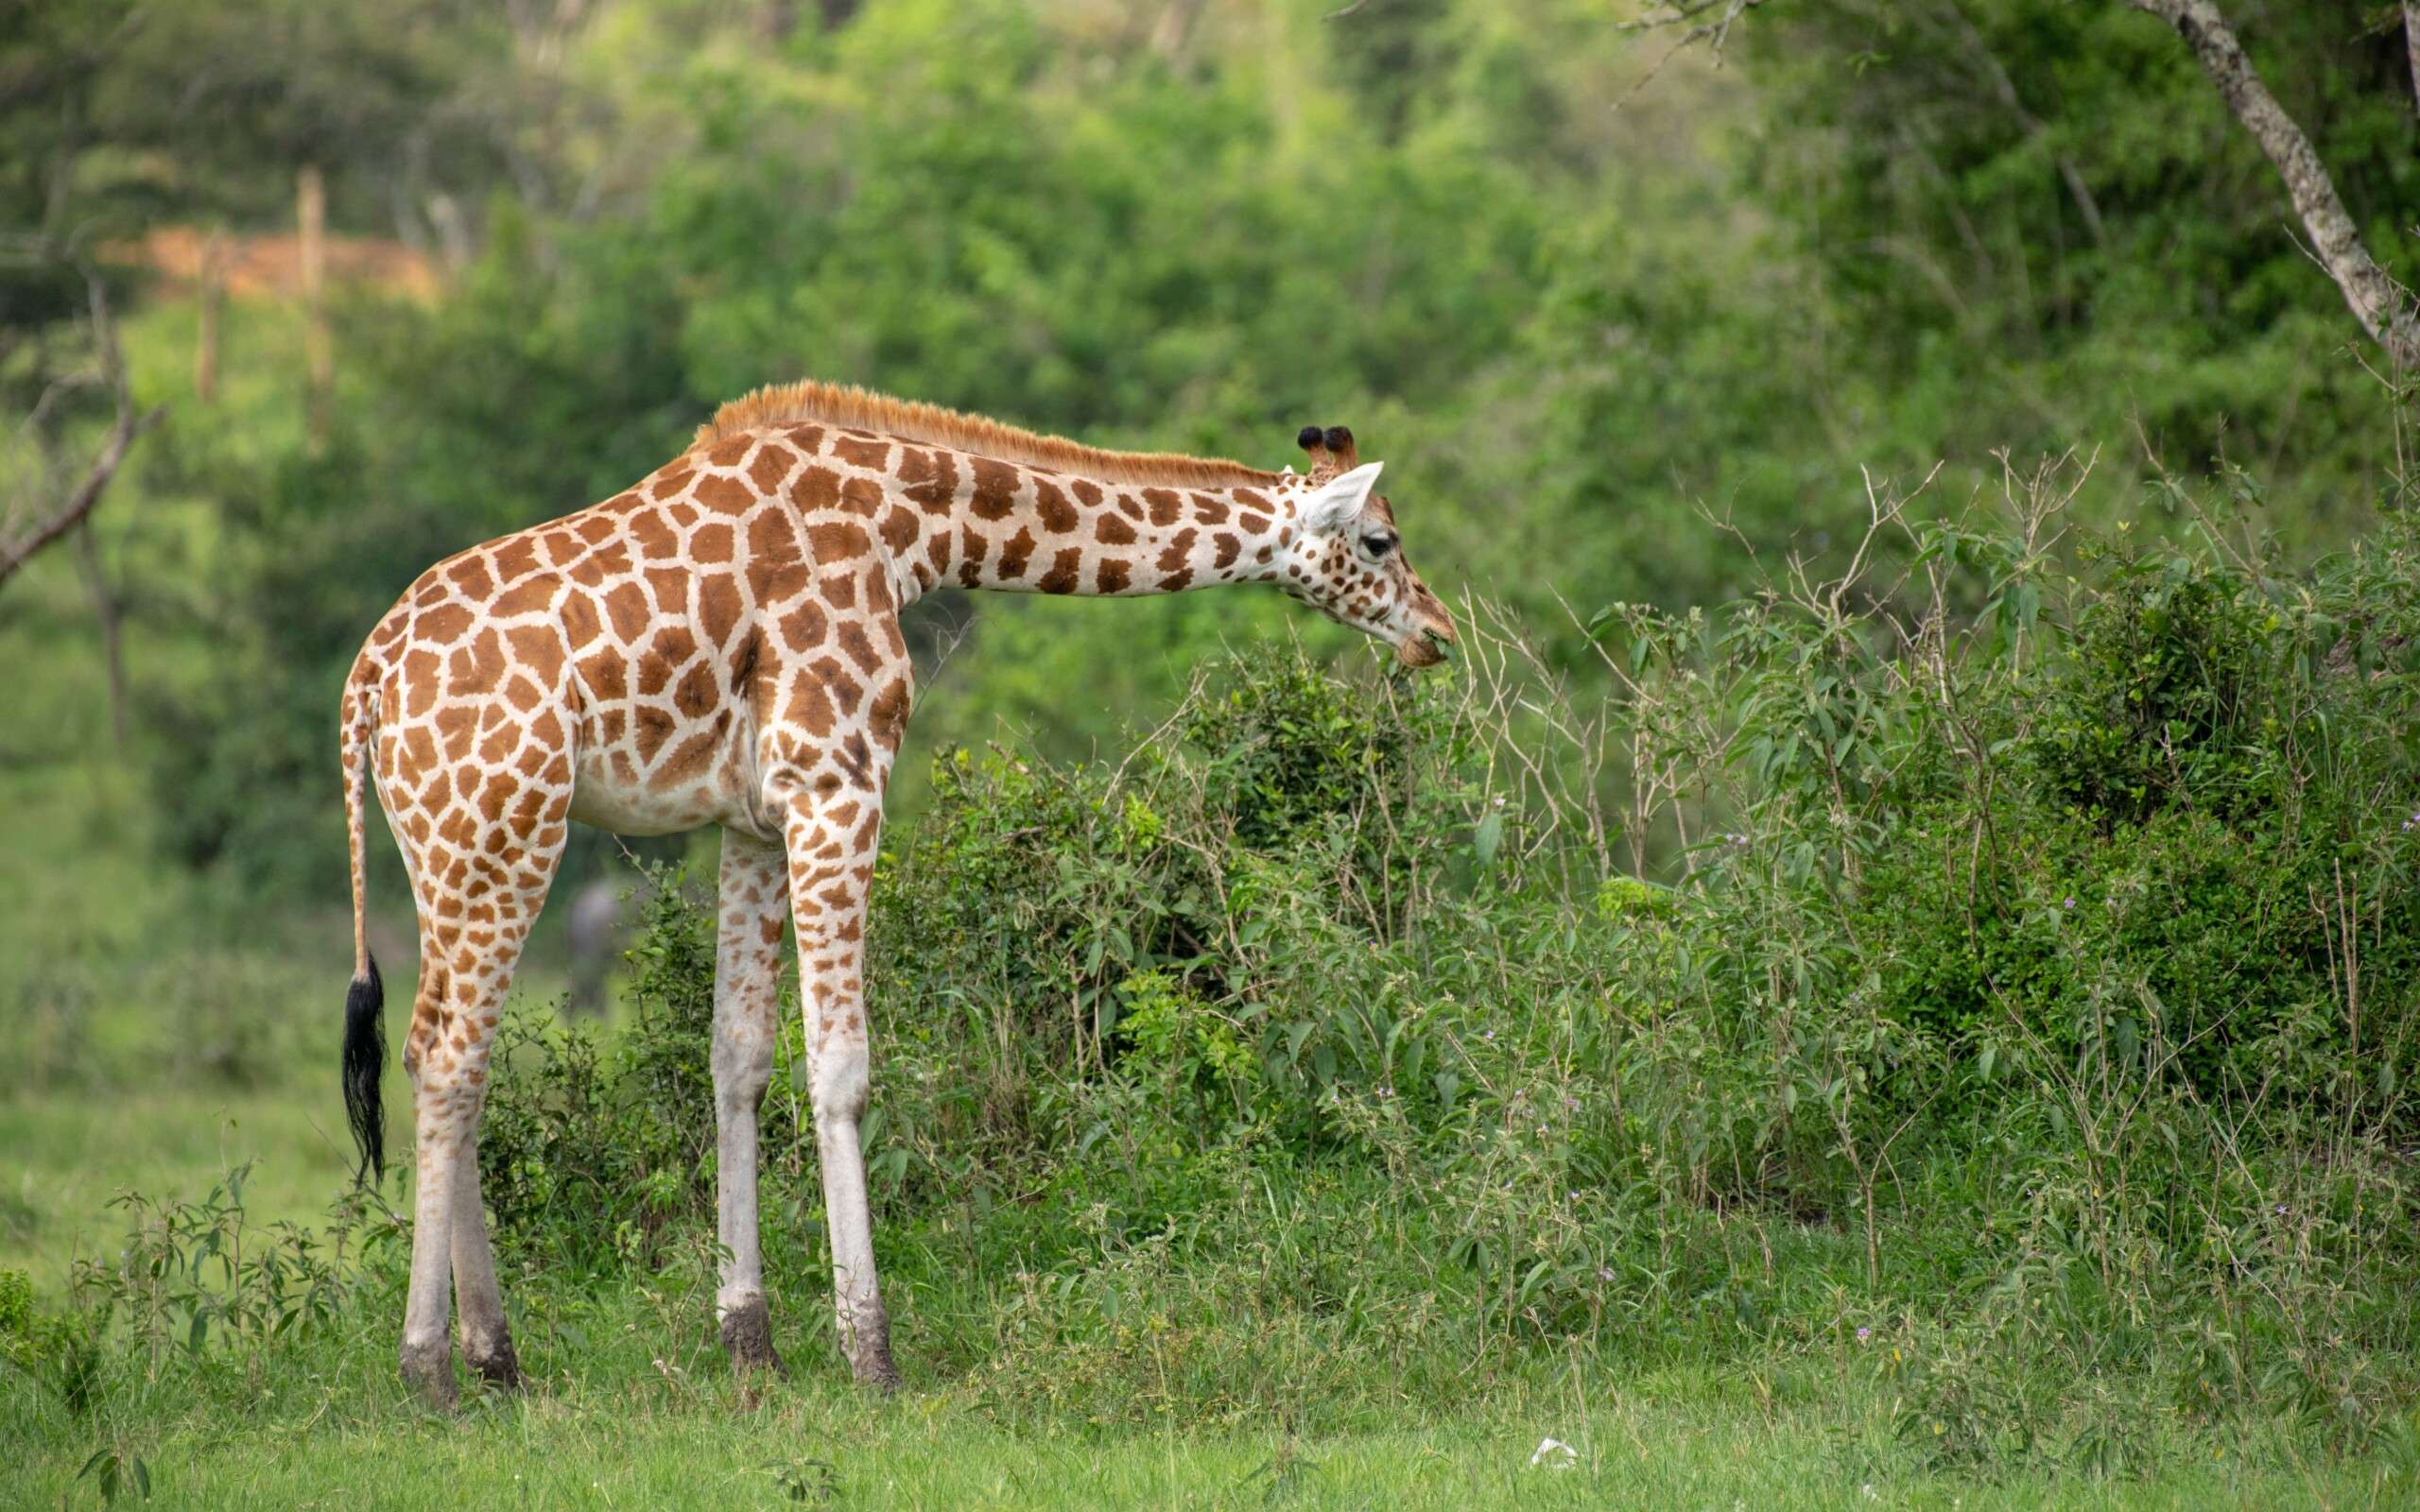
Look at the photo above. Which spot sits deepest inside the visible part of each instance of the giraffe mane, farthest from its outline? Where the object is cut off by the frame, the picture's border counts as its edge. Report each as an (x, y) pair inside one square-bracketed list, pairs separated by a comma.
[(848, 405)]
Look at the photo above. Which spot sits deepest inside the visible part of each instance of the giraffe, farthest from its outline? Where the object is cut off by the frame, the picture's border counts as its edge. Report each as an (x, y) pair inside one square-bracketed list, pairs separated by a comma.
[(721, 645)]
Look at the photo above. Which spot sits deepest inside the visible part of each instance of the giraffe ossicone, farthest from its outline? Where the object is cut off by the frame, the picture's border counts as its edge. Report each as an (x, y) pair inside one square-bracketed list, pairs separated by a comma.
[(720, 644)]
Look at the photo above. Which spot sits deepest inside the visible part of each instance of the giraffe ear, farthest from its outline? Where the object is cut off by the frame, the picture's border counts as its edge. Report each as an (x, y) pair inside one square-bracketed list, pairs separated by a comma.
[(1337, 503)]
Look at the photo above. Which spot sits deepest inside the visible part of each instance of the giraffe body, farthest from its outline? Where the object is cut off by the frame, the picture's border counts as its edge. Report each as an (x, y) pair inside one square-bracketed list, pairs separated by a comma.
[(721, 645)]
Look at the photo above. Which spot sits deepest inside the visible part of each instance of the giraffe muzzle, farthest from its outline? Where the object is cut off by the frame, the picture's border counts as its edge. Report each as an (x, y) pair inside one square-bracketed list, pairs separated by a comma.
[(1425, 647)]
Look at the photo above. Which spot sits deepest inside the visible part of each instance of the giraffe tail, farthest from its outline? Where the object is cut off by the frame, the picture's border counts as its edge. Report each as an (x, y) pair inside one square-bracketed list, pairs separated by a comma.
[(365, 1000)]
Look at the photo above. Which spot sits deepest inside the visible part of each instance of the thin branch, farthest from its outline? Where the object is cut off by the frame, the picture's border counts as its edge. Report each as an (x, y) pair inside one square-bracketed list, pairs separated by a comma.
[(1979, 51), (80, 503), (1680, 12)]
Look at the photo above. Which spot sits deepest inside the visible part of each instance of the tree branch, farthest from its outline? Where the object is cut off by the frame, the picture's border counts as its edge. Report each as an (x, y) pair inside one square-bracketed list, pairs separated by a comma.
[(1688, 12), (2384, 309), (2412, 46), (87, 494), (123, 432)]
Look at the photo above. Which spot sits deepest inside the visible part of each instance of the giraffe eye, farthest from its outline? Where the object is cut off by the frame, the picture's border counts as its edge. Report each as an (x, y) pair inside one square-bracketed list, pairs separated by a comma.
[(1377, 544)]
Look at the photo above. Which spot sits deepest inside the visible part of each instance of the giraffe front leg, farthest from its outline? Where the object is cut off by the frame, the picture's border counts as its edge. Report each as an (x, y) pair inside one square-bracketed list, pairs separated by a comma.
[(754, 894), (831, 843)]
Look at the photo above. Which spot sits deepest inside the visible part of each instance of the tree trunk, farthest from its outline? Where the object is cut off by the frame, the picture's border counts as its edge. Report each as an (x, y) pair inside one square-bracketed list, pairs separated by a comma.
[(104, 609), (311, 215), (212, 302), (2384, 309)]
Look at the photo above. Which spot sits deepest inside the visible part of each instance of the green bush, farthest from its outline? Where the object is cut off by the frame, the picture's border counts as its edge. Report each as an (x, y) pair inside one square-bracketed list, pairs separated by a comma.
[(1836, 982), (587, 1151)]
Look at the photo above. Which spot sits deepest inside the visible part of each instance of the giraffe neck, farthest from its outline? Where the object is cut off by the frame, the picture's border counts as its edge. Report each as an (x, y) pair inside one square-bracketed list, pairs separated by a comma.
[(968, 522)]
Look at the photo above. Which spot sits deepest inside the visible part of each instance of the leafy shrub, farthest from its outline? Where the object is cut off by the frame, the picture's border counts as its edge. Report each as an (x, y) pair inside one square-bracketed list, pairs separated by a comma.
[(588, 1151), (1834, 979)]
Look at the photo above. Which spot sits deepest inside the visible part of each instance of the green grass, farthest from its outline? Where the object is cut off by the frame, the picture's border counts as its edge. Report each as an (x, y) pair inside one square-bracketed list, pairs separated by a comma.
[(70, 1153), (631, 1404), (626, 1431)]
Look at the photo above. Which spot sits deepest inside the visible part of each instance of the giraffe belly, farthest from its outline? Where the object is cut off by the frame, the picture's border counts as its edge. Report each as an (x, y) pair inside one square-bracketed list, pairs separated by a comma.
[(635, 784), (598, 799)]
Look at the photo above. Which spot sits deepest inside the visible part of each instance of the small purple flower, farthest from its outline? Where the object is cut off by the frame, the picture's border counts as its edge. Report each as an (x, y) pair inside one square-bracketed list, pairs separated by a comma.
[(2070, 904), (1489, 1034), (1863, 1334), (1604, 1273)]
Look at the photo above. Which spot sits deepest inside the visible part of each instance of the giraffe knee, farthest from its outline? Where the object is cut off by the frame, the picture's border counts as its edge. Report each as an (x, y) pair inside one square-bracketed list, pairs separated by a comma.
[(842, 1081), (743, 1067)]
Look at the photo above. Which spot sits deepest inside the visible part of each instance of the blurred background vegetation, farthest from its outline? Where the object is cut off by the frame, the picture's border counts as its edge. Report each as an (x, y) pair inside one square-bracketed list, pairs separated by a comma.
[(1577, 309)]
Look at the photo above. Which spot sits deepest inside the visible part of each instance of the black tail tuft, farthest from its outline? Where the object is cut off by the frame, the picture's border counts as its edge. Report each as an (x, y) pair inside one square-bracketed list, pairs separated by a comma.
[(364, 1059)]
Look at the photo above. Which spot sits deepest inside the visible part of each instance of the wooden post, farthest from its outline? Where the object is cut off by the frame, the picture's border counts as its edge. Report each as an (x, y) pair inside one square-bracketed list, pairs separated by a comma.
[(214, 300), (311, 212)]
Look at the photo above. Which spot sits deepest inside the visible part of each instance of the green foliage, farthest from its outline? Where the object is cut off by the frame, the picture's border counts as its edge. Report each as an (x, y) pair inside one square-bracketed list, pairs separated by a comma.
[(1983, 981), (588, 1153), (2055, 194), (190, 1271), (2155, 708), (1560, 331), (1323, 944)]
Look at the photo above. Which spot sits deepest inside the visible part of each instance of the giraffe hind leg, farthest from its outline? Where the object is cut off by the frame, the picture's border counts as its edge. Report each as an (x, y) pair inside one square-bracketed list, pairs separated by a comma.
[(754, 899), (479, 888), (478, 1303)]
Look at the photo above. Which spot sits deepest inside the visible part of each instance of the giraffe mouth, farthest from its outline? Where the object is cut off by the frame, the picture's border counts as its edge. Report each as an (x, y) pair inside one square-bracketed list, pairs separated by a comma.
[(1426, 648)]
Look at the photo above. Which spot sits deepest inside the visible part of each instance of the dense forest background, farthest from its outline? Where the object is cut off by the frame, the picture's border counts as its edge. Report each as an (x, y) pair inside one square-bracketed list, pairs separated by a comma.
[(1617, 317)]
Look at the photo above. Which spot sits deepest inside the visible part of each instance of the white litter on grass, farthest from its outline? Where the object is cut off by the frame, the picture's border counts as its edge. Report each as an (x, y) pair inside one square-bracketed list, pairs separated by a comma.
[(1554, 1454)]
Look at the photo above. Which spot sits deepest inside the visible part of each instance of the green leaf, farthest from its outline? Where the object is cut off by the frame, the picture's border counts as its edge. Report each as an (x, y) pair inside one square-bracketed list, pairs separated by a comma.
[(1488, 835)]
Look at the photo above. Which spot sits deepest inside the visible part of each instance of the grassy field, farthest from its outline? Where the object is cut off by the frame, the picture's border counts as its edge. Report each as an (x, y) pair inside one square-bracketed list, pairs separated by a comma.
[(659, 1438)]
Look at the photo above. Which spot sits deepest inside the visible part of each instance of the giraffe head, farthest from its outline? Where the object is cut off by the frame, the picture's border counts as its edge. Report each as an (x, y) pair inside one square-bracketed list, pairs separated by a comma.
[(1348, 561)]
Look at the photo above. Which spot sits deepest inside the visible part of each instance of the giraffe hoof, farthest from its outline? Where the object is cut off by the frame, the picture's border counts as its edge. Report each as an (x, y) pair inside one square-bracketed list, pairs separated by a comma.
[(499, 1367), (429, 1370), (747, 1337), (869, 1353), (873, 1369)]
